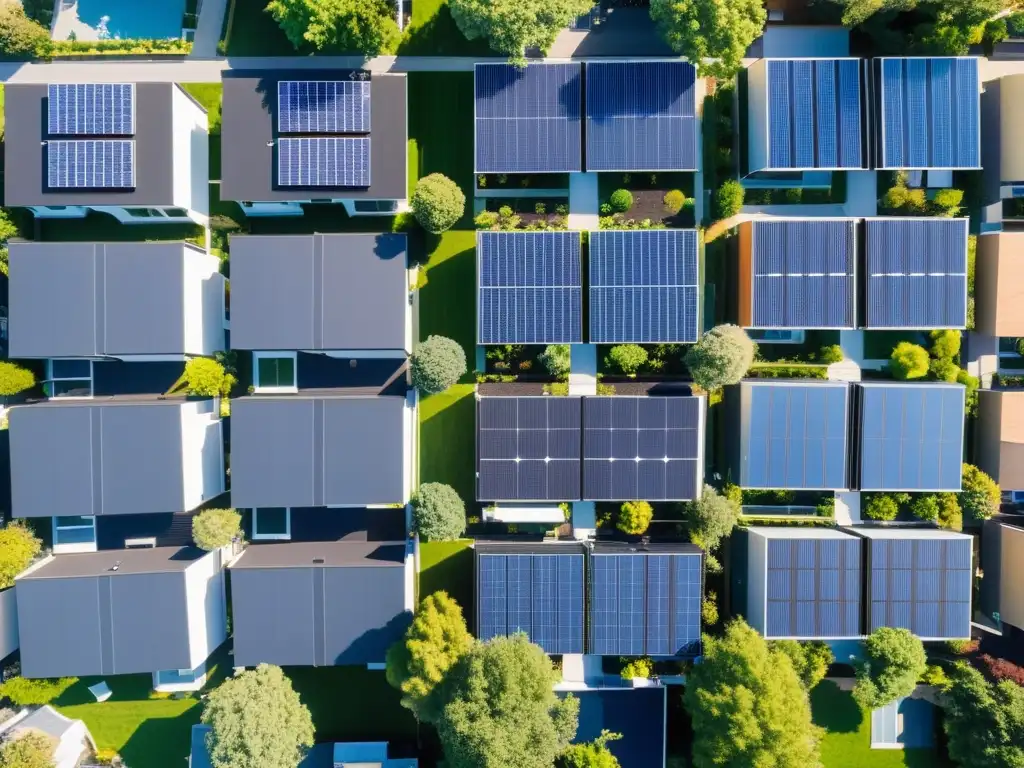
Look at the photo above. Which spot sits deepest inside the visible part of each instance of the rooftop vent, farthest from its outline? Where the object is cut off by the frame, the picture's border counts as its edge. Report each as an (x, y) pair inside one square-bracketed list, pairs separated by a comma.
[(318, 561)]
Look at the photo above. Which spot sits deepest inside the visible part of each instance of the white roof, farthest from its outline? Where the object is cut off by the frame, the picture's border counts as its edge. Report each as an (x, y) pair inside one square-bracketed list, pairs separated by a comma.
[(794, 532), (899, 532)]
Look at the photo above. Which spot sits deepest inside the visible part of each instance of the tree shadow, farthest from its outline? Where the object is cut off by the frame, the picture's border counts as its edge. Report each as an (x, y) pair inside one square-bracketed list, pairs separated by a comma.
[(454, 575), (448, 301), (834, 709), (449, 440), (440, 36)]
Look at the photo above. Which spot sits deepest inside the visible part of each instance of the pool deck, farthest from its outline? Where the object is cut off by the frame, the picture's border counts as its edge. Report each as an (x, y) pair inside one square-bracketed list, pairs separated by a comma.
[(67, 22)]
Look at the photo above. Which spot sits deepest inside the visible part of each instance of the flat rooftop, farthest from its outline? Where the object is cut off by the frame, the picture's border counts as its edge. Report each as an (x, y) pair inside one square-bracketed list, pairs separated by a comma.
[(127, 561), (327, 554)]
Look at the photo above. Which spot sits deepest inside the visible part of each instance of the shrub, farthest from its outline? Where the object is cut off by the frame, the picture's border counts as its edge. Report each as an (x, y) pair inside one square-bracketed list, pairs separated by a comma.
[(438, 513), (29, 749), (943, 370), (556, 358), (437, 363), (634, 517), (25, 692), (437, 203), (621, 200), (916, 201), (710, 519), (674, 200), (794, 196), (935, 675), (20, 37), (950, 516), (962, 647), (15, 379), (627, 358), (728, 199), (830, 354), (826, 507), (639, 667), (925, 508), (205, 377), (908, 361), (971, 394), (881, 506), (1002, 669), (945, 344), (486, 220), (18, 548), (215, 528), (721, 357), (980, 495), (947, 201), (709, 609), (894, 661), (894, 198)]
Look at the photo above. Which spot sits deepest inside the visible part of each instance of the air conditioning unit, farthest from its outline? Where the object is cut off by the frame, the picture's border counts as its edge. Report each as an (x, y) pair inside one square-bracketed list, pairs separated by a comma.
[(148, 542)]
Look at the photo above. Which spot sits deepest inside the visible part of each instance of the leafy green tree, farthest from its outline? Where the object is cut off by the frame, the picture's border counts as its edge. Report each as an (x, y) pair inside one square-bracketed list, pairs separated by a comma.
[(971, 384), (721, 357), (31, 749), (206, 377), (709, 609), (18, 548), (634, 517), (711, 518), (936, 675), (925, 507), (748, 705), (713, 35), (437, 363), (984, 722), (257, 721), (512, 26), (641, 666), (980, 495), (216, 528), (895, 198), (945, 344), (627, 358), (810, 660), (894, 661), (621, 200), (34, 692), (438, 512), (881, 506), (674, 200), (557, 359), (950, 515), (729, 196), (500, 708), (592, 755), (14, 379), (20, 37), (943, 370), (357, 26), (947, 201), (908, 361), (435, 640), (437, 203)]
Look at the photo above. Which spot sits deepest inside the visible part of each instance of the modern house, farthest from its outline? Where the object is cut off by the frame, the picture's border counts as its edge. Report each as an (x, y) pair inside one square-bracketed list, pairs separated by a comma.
[(137, 151), (999, 436), (1002, 108), (315, 136), (159, 611), (1002, 588), (999, 283)]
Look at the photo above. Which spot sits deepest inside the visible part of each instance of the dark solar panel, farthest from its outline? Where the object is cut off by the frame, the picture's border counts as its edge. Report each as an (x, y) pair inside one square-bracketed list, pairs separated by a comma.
[(642, 448), (324, 161), (643, 286), (528, 448), (794, 435), (803, 274), (641, 116), (528, 118), (90, 109), (90, 164), (531, 289), (323, 106)]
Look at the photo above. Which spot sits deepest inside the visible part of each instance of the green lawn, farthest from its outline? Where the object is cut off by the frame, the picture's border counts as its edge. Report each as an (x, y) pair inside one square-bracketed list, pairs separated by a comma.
[(447, 440), (448, 566), (251, 31), (432, 32), (209, 95)]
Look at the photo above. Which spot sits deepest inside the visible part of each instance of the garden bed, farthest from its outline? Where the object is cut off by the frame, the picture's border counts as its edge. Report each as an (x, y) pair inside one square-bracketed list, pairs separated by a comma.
[(522, 181), (532, 212), (807, 351), (648, 191), (664, 361), (878, 345)]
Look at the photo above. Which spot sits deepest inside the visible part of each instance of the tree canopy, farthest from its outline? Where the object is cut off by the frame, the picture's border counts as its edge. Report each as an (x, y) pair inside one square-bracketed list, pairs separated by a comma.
[(14, 378), (438, 512), (923, 27), (557, 359), (215, 528), (257, 721), (500, 709), (32, 749), (984, 722), (437, 363), (437, 203), (512, 26), (748, 706), (20, 36), (810, 660), (980, 495), (721, 357), (634, 517), (713, 35), (206, 377), (894, 661), (351, 26), (908, 361), (18, 547), (711, 518), (593, 754), (627, 358)]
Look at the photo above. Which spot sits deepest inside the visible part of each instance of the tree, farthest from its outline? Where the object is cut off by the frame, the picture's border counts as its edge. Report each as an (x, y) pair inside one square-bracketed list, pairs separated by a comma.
[(18, 548), (500, 709), (351, 26), (943, 370), (729, 196), (437, 363), (634, 517), (257, 721), (28, 749), (556, 358), (984, 722), (216, 528), (925, 507), (621, 200), (894, 661), (20, 37), (593, 755), (206, 377), (14, 379), (810, 660), (674, 200), (512, 26), (895, 198), (437, 203), (627, 358), (947, 201), (721, 357), (438, 513), (748, 705), (980, 495), (711, 518), (945, 344), (950, 515), (881, 506), (908, 361), (435, 640), (641, 667), (713, 35)]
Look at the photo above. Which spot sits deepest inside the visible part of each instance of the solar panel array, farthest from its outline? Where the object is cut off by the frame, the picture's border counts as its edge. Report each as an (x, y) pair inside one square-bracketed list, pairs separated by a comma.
[(643, 286), (645, 604), (91, 109), (930, 113), (528, 118), (794, 435), (803, 274), (923, 585), (329, 161), (642, 448), (323, 106), (528, 448), (814, 114), (641, 116), (911, 436), (531, 289), (813, 588), (90, 164), (541, 595), (916, 273)]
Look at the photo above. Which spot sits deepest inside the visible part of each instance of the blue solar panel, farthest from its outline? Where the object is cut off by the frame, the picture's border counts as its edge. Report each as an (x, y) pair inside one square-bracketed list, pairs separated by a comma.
[(323, 106), (326, 161), (528, 119), (90, 164), (643, 286), (916, 273), (911, 436), (641, 116), (531, 289), (91, 109), (803, 274)]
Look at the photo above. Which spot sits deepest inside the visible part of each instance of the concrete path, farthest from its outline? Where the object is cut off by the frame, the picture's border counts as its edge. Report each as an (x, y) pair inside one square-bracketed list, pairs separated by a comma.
[(211, 22), (583, 369), (848, 508), (861, 194), (803, 211), (584, 204), (584, 520)]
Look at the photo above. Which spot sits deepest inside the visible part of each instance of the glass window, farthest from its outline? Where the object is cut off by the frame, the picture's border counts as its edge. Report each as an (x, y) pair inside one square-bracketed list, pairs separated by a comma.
[(271, 523), (275, 371), (68, 378), (71, 369), (74, 530)]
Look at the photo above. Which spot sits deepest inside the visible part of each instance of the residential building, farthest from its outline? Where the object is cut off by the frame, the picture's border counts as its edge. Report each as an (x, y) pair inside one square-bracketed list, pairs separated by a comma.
[(999, 284), (315, 136), (999, 436), (1002, 588), (70, 740), (137, 151)]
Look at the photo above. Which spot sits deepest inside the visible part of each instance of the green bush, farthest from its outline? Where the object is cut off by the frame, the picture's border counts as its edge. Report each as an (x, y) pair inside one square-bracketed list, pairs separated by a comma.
[(935, 675), (943, 370), (945, 344), (438, 513), (979, 495), (826, 507), (437, 363), (18, 548), (639, 667), (437, 203), (728, 199), (26, 692), (721, 357), (895, 198), (830, 354), (947, 201), (971, 384), (627, 358), (634, 517), (621, 200), (881, 506), (794, 196), (205, 377), (14, 379), (950, 516), (709, 609), (20, 37), (788, 372), (216, 528), (28, 749), (113, 47), (557, 359), (925, 508), (908, 361), (674, 200), (486, 220)]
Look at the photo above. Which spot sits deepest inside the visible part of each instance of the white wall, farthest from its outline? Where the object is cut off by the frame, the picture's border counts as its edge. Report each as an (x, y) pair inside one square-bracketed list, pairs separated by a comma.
[(410, 576), (204, 302), (410, 447), (207, 611), (8, 622), (757, 115), (757, 577), (202, 452), (191, 146)]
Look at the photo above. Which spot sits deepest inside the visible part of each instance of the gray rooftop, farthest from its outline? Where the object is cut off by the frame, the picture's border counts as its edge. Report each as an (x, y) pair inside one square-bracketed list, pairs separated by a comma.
[(127, 562), (330, 554), (316, 450), (110, 299), (249, 117), (319, 292)]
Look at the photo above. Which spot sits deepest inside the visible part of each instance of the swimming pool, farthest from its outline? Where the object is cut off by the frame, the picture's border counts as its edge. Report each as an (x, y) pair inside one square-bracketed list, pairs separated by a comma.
[(131, 19)]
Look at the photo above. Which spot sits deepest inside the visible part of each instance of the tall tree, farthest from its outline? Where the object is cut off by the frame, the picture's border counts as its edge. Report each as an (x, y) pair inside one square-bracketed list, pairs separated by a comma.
[(984, 722), (357, 26), (748, 705), (713, 35), (500, 709), (18, 547), (721, 357), (512, 26), (711, 518), (894, 661)]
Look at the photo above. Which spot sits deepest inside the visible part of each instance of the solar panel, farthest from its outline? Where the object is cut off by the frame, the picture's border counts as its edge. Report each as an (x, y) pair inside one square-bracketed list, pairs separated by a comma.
[(528, 448), (326, 161), (916, 273), (643, 286), (803, 274), (91, 109), (641, 116), (528, 118), (531, 289), (90, 164), (323, 106), (642, 448)]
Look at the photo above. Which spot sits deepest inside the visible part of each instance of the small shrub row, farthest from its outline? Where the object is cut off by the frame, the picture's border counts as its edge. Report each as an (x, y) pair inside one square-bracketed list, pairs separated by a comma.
[(762, 371), (618, 222)]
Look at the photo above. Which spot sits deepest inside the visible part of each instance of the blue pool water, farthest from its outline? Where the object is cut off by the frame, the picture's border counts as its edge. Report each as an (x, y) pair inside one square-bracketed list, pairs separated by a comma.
[(131, 19)]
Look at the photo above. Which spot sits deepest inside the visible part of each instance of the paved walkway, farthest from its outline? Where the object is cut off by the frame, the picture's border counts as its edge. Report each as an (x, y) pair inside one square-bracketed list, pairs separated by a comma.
[(861, 194), (848, 508), (211, 22), (584, 204), (583, 369), (803, 211)]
